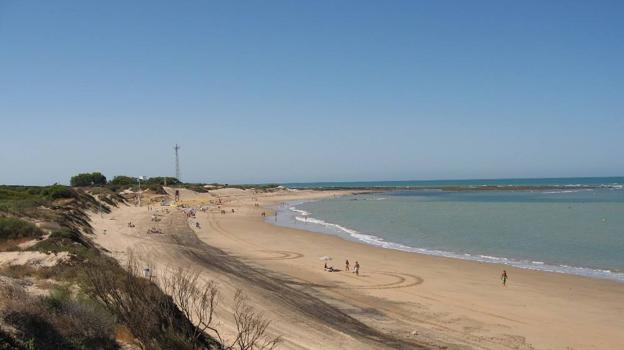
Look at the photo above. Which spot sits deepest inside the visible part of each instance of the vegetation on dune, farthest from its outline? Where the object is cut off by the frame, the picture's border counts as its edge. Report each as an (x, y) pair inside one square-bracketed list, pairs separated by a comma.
[(93, 296), (22, 200), (11, 228), (88, 179), (159, 180), (155, 184), (66, 240), (58, 321), (123, 180)]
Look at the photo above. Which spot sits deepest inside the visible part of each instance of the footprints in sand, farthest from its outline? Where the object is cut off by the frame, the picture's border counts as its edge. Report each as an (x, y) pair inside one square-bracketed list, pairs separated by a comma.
[(389, 280), (397, 280), (400, 280), (278, 255)]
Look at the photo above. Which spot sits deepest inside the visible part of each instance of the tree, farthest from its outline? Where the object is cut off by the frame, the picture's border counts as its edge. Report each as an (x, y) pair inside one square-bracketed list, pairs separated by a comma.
[(159, 180), (88, 179), (124, 180)]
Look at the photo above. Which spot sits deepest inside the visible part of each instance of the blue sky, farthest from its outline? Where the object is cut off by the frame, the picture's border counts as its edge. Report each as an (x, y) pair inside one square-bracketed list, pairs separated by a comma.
[(285, 91)]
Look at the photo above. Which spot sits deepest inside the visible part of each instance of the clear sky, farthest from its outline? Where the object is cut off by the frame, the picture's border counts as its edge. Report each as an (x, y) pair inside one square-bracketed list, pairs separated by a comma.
[(281, 91)]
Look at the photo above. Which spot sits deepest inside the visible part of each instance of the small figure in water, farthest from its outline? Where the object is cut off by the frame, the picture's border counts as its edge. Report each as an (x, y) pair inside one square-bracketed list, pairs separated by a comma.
[(504, 277), (347, 265)]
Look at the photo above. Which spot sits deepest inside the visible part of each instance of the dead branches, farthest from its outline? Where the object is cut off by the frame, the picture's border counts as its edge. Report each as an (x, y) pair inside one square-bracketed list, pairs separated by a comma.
[(198, 302)]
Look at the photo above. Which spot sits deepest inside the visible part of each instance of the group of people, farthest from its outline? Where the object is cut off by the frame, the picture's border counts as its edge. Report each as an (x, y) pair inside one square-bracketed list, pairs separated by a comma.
[(356, 267)]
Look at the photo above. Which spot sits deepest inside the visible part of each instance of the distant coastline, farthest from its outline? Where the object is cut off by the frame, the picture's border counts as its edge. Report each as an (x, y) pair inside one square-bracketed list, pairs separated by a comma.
[(528, 184)]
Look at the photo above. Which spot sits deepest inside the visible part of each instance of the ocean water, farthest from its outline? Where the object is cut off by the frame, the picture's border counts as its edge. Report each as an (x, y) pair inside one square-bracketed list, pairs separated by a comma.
[(576, 230), (564, 181)]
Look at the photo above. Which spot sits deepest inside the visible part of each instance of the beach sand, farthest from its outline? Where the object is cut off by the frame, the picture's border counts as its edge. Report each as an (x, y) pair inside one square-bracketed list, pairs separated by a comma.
[(400, 300)]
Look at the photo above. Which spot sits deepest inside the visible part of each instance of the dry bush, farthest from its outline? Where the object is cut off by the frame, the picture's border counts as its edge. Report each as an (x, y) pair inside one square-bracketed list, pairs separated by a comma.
[(151, 316), (198, 302), (180, 314), (133, 300), (58, 321), (251, 327)]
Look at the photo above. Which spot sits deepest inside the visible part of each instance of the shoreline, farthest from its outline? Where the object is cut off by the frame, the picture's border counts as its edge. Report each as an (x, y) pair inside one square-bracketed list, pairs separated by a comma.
[(380, 242), (405, 300)]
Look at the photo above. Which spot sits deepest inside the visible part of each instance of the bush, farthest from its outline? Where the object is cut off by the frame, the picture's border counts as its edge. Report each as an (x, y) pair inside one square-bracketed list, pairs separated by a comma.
[(141, 305), (8, 342), (57, 191), (19, 199), (16, 228), (66, 240), (159, 180), (61, 322), (88, 179), (122, 180)]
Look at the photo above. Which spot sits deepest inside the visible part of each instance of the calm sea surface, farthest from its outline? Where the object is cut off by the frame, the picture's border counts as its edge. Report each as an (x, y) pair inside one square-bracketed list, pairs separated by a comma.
[(575, 230)]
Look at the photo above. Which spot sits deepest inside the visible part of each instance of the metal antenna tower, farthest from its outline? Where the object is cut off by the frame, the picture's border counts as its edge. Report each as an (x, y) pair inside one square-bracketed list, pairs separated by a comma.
[(176, 148)]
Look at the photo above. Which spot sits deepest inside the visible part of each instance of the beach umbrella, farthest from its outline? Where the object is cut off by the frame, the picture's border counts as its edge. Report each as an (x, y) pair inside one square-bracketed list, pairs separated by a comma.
[(326, 258)]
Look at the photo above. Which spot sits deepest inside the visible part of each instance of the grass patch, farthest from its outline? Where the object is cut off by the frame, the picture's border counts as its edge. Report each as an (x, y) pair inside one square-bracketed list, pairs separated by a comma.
[(25, 200), (66, 240), (12, 228), (60, 321)]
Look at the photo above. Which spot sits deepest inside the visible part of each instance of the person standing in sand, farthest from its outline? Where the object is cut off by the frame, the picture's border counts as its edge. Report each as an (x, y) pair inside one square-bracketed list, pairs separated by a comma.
[(347, 265), (356, 268), (504, 277)]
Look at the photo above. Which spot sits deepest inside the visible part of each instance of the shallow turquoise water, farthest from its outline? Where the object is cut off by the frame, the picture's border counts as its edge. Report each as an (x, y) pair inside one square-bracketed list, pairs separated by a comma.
[(574, 231)]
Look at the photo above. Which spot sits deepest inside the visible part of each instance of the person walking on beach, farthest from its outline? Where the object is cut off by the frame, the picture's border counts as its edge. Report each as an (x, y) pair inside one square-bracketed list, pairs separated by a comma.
[(347, 265), (504, 277), (356, 268)]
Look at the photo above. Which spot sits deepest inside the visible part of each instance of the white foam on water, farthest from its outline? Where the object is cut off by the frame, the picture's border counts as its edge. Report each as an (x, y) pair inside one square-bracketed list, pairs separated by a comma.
[(326, 224), (302, 212), (525, 264)]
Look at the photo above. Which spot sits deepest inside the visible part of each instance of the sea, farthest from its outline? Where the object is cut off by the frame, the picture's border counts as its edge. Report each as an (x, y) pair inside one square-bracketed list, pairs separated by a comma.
[(576, 228)]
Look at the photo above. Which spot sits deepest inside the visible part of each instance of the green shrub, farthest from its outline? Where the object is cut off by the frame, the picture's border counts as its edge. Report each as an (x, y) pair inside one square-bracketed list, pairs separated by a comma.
[(57, 299), (60, 321), (57, 191), (66, 240), (88, 179), (159, 180), (18, 199), (16, 228), (124, 180)]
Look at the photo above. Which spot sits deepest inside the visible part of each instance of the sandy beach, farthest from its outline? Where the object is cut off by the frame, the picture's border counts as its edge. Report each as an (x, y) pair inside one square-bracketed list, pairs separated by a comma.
[(400, 300)]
